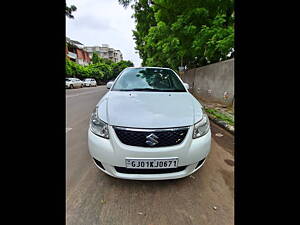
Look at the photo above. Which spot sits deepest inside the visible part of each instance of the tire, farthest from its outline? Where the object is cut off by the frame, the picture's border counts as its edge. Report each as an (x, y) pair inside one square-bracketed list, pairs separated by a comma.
[(71, 86), (82, 86)]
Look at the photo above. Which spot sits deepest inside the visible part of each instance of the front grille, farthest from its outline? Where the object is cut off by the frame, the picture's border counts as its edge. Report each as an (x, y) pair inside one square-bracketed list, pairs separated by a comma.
[(138, 137), (149, 171)]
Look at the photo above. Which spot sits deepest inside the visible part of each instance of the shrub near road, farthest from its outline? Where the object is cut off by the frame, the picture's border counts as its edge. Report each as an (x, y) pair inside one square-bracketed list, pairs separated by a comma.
[(102, 70)]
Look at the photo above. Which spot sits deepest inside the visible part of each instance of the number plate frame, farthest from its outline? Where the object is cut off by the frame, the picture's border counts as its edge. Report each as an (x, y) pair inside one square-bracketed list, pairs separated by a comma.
[(147, 163)]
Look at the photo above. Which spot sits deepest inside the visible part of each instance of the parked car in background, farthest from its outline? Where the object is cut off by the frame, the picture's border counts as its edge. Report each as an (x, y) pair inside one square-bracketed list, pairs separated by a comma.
[(73, 83), (149, 127), (89, 82)]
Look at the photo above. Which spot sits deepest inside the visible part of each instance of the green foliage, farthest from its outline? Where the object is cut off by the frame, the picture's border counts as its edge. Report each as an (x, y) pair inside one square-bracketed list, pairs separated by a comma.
[(70, 10), (99, 70), (216, 41), (104, 68), (95, 58), (219, 115), (117, 68), (174, 32)]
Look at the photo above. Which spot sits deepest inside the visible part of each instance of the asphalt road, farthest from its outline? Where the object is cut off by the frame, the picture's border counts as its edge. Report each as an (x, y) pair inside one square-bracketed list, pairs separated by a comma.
[(93, 197)]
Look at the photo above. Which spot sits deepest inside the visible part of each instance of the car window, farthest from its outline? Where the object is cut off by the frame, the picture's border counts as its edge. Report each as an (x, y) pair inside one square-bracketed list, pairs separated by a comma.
[(148, 79)]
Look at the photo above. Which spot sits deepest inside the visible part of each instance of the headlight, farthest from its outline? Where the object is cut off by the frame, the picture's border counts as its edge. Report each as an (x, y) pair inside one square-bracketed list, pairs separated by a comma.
[(202, 127), (97, 126)]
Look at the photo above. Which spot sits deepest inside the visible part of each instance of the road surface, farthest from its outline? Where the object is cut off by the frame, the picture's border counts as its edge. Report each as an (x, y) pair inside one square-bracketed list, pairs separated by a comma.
[(92, 197)]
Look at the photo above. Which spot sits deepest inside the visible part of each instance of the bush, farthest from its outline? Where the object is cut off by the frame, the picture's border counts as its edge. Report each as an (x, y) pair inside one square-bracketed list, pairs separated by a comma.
[(102, 70), (117, 68)]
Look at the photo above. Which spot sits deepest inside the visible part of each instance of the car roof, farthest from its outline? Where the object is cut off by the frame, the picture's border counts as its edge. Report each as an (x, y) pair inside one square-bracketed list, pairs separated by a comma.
[(149, 67)]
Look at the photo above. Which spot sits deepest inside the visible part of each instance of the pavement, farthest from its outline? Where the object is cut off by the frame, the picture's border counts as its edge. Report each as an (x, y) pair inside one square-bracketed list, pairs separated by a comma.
[(92, 197), (227, 111)]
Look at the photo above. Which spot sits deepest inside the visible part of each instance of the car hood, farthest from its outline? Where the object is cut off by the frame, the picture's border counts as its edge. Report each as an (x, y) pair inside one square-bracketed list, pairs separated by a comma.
[(149, 109)]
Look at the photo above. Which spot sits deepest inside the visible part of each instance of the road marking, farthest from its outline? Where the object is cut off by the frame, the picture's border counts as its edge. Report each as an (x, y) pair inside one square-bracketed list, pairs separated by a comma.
[(84, 93), (68, 129)]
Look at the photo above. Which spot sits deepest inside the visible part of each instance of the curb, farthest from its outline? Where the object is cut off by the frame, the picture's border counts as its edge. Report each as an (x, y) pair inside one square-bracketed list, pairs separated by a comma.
[(222, 124)]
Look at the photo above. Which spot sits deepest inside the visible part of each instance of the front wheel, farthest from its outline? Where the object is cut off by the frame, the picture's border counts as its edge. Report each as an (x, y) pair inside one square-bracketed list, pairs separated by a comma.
[(71, 86), (82, 86)]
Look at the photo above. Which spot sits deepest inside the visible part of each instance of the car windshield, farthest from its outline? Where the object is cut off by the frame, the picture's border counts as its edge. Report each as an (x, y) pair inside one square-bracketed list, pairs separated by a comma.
[(148, 79), (68, 79)]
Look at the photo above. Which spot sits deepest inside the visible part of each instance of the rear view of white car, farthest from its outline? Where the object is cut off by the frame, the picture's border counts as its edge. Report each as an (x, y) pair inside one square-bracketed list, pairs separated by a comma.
[(89, 82), (73, 83)]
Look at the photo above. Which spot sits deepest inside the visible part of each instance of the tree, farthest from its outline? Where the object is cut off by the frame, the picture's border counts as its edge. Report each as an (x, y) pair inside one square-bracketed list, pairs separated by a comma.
[(118, 67), (172, 33), (99, 70), (95, 58), (70, 10)]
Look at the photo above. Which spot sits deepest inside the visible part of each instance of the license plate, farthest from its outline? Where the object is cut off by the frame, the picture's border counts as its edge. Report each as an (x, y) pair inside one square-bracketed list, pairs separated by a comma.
[(151, 163)]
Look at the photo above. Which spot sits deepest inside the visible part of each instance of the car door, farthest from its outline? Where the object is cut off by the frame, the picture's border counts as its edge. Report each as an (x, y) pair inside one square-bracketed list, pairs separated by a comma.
[(78, 84), (72, 81), (67, 81)]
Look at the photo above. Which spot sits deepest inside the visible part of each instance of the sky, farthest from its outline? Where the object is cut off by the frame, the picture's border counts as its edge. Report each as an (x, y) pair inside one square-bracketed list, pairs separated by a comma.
[(98, 22)]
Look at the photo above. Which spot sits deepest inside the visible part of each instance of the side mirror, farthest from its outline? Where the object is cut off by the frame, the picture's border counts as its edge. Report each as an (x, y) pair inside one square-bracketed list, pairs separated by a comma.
[(109, 84), (186, 85)]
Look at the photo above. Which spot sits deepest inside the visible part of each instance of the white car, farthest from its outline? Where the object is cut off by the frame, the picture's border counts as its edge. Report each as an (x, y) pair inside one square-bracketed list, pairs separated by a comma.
[(73, 83), (89, 82), (149, 127)]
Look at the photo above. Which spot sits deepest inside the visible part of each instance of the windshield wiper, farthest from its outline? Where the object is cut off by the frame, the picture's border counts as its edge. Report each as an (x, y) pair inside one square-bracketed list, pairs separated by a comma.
[(146, 89), (151, 89)]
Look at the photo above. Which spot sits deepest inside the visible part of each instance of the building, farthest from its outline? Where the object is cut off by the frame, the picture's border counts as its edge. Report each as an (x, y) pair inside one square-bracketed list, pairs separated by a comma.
[(75, 52), (105, 52)]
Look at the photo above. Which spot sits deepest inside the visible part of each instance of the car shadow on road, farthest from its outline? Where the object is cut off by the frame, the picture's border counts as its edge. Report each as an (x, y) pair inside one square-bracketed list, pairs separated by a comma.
[(151, 185), (118, 181)]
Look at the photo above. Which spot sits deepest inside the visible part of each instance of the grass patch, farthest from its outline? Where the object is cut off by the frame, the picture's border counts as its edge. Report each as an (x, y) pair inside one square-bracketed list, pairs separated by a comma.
[(220, 116)]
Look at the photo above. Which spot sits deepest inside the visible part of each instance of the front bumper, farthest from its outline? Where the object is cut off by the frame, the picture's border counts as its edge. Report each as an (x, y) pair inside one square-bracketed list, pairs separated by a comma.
[(112, 153)]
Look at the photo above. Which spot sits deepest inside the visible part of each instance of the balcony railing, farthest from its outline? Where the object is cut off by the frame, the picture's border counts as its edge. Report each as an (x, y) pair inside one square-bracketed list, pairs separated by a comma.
[(72, 55)]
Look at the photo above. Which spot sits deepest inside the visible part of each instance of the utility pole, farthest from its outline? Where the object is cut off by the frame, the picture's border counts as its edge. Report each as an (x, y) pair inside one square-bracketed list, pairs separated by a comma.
[(181, 68)]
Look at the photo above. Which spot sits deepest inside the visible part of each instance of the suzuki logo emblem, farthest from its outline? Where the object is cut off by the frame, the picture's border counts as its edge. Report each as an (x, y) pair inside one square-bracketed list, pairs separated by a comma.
[(152, 139)]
